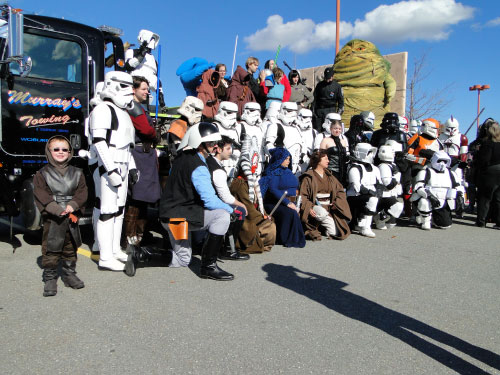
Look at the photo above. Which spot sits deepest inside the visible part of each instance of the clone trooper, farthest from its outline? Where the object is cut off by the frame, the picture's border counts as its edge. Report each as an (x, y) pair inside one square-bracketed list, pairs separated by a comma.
[(112, 135), (390, 206), (414, 127), (140, 61), (369, 120), (285, 133), (422, 146), (403, 125), (362, 194), (225, 120), (327, 124), (251, 127), (308, 133), (436, 191)]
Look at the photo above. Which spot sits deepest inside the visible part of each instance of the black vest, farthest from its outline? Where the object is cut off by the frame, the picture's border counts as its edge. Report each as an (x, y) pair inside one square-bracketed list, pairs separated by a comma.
[(179, 198), (63, 187)]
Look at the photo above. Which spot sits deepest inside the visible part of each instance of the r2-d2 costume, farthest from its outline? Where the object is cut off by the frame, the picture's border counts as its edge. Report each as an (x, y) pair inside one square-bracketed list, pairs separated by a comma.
[(112, 136), (362, 192), (140, 62), (285, 133), (251, 127), (390, 205), (308, 134), (225, 120), (436, 191)]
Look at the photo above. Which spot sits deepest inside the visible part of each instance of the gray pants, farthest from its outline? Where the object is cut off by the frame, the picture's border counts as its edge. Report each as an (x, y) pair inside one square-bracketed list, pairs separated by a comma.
[(215, 221)]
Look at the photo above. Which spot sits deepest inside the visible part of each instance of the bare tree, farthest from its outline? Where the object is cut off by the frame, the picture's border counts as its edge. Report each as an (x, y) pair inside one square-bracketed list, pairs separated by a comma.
[(422, 103)]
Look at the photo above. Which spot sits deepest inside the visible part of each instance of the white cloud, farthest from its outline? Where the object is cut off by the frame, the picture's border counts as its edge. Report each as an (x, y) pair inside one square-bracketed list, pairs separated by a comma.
[(494, 22), (406, 20)]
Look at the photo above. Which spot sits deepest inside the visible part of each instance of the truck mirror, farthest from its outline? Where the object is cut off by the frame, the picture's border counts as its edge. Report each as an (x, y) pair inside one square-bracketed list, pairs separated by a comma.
[(25, 65), (16, 33)]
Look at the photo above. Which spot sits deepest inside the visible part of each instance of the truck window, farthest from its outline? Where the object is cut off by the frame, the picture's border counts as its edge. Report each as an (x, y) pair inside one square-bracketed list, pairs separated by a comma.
[(53, 59)]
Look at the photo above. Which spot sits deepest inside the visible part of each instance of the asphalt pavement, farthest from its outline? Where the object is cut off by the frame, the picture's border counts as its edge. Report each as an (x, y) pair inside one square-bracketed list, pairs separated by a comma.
[(406, 302)]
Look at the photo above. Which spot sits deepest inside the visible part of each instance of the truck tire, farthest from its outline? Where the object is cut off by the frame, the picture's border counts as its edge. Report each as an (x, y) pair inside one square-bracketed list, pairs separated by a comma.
[(29, 211)]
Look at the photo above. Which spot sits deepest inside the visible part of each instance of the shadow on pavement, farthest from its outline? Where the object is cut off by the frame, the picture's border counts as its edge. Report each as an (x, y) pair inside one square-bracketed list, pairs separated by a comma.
[(330, 293)]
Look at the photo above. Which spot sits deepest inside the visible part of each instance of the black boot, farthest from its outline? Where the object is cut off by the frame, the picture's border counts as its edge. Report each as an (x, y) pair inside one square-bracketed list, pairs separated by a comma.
[(142, 254), (228, 251), (49, 277), (69, 277), (209, 268)]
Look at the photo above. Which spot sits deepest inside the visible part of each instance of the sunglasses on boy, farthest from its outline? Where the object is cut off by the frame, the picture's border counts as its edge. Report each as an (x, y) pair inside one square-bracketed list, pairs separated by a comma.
[(57, 149)]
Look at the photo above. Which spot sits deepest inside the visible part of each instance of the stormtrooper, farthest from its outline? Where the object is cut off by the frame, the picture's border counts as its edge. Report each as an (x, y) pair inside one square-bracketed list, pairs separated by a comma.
[(364, 187), (112, 136), (369, 120), (271, 117), (308, 134), (285, 133), (390, 205), (436, 192), (140, 62), (251, 126), (327, 124), (225, 120), (414, 127)]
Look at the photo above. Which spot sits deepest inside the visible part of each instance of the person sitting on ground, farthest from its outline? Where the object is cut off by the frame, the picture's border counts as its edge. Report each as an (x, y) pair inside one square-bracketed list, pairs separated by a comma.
[(324, 202), (279, 181), (60, 192)]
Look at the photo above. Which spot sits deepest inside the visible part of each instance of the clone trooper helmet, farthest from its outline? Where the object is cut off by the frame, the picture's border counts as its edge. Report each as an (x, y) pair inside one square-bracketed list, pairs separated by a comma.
[(451, 126), (272, 111), (148, 38), (365, 152), (288, 113), (440, 161), (199, 133), (251, 113), (396, 146), (368, 119), (192, 109), (226, 115), (331, 117), (414, 127), (386, 153), (304, 119), (430, 127), (118, 88), (403, 124), (390, 122)]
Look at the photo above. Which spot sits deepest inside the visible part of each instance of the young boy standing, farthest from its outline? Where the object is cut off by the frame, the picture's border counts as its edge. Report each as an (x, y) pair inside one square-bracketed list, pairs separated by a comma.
[(60, 191)]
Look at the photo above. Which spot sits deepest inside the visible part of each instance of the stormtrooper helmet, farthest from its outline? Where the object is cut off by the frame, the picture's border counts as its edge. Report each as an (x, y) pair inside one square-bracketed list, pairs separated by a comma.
[(386, 153), (149, 38), (396, 146), (368, 119), (331, 117), (192, 109), (251, 113), (97, 94), (272, 111), (365, 152), (288, 113), (304, 119), (440, 161), (226, 115), (451, 126), (430, 127), (199, 133), (403, 124), (118, 88)]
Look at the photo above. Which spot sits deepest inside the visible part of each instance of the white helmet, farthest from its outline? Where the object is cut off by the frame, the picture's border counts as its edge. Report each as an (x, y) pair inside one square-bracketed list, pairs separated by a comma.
[(430, 127), (440, 161), (198, 134), (396, 146), (365, 152), (368, 118), (451, 126), (149, 38), (97, 94), (386, 153), (403, 124), (226, 115), (304, 119), (414, 127), (327, 124), (272, 111), (118, 88), (192, 109), (288, 113), (251, 113)]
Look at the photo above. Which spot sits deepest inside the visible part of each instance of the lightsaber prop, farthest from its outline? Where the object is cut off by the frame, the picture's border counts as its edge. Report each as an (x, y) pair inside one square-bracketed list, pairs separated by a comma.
[(234, 54), (479, 114), (277, 54), (158, 83), (277, 204)]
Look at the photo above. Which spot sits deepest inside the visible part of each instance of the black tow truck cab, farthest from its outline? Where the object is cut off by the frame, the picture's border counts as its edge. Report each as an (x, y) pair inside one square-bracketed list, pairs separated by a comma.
[(45, 91)]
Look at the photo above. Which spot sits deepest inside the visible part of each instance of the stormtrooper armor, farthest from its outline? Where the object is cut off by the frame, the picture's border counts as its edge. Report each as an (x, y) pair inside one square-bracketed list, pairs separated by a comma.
[(285, 133), (191, 108), (326, 128), (112, 135), (249, 164), (364, 177), (140, 61), (251, 123), (455, 144), (368, 119), (225, 120), (435, 191), (422, 146), (308, 134)]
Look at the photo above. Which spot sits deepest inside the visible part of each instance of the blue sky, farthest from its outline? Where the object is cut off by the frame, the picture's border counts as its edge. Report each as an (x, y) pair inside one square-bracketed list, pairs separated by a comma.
[(460, 38)]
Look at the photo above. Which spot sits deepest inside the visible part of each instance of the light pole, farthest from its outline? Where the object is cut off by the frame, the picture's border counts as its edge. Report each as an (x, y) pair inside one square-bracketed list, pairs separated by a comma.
[(479, 88), (337, 29)]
